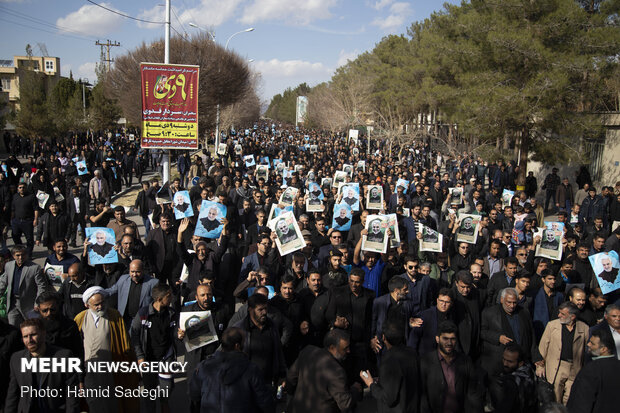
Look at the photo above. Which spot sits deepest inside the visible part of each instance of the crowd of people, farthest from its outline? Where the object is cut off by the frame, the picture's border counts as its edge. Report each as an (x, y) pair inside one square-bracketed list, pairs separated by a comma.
[(484, 325)]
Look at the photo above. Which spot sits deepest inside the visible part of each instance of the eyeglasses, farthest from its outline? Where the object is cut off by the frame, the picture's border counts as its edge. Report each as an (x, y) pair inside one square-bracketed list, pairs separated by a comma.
[(265, 244), (521, 254), (411, 267), (336, 236)]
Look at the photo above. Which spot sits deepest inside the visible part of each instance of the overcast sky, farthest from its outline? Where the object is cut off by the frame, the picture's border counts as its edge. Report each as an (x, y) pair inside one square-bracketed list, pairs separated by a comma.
[(294, 41)]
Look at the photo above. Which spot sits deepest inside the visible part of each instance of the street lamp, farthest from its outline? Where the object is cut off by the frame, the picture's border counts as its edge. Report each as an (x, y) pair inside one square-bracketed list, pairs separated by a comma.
[(195, 26)]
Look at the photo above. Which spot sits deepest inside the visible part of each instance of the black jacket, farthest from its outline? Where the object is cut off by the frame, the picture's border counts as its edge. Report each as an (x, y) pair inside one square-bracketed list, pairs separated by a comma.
[(397, 390), (228, 382), (596, 387), (434, 385)]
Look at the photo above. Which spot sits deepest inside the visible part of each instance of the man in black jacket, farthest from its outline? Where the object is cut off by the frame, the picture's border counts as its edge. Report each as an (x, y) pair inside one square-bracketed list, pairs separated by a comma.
[(33, 336), (396, 389), (238, 383), (220, 315), (502, 324), (596, 385), (449, 380)]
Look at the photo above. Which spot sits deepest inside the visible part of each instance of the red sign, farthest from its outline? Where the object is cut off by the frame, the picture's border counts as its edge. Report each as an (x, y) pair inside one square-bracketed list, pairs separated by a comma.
[(169, 106)]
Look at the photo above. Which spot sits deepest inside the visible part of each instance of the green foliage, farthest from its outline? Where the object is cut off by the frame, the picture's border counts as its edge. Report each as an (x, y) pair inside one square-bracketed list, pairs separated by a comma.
[(282, 107), (104, 112), (33, 118), (65, 105)]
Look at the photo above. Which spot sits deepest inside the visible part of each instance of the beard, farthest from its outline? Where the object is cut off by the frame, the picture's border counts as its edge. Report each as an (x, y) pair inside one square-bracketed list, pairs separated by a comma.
[(98, 313), (51, 324)]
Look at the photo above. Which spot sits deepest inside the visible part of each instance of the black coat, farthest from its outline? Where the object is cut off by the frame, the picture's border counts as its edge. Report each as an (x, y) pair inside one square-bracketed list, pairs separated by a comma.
[(321, 382), (596, 387), (228, 382), (397, 390), (16, 402), (494, 324), (434, 385), (466, 311), (496, 284)]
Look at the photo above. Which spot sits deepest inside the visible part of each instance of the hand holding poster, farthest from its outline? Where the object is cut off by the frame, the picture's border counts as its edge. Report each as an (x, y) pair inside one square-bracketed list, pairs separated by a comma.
[(42, 198), (222, 148), (101, 243), (198, 327), (183, 205), (431, 240), (550, 245), (350, 195), (606, 266), (209, 224), (468, 226), (289, 238), (507, 196), (342, 217), (374, 197), (377, 238), (277, 211)]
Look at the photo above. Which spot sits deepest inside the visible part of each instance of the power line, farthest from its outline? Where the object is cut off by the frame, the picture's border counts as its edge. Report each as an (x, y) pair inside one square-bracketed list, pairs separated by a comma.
[(32, 19), (44, 30), (123, 14), (178, 20)]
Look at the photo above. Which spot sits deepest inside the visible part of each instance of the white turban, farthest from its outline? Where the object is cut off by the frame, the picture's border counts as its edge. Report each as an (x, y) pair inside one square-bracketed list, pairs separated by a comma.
[(92, 291)]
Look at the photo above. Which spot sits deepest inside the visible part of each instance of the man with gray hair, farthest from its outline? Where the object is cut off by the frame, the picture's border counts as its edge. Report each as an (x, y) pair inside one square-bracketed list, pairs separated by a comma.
[(504, 323), (98, 187), (562, 347), (105, 339)]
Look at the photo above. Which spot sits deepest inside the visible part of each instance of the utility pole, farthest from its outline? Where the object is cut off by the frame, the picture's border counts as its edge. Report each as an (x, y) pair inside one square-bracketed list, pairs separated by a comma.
[(107, 45)]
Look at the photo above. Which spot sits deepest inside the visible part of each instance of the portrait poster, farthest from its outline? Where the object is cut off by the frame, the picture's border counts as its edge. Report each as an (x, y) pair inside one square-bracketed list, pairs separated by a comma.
[(406, 212), (249, 161), (355, 152), (361, 166), (432, 241), (550, 245), (289, 238), (209, 224), (238, 149), (393, 226), (348, 169), (314, 148), (468, 228), (182, 205), (82, 169), (326, 182), (377, 239), (350, 195), (374, 197), (222, 149), (311, 177), (339, 178), (315, 189), (271, 291), (615, 225), (456, 196), (298, 168), (278, 164), (606, 266), (403, 183), (354, 135), (199, 329), (262, 171), (42, 198), (507, 196), (314, 204), (58, 196), (101, 249), (277, 211), (54, 274), (342, 217), (169, 106), (288, 196)]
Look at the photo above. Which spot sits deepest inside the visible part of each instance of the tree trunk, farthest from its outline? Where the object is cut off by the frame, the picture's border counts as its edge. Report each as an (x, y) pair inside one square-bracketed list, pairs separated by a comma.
[(525, 142)]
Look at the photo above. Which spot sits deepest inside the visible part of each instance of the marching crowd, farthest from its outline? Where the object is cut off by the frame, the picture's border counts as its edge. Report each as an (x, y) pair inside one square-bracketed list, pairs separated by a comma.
[(480, 326)]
